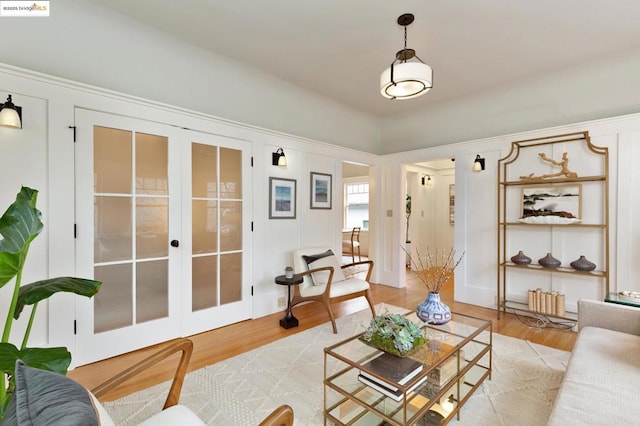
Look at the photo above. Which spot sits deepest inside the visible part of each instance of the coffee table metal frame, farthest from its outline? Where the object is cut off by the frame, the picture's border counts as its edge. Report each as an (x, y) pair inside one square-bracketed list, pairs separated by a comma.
[(347, 401)]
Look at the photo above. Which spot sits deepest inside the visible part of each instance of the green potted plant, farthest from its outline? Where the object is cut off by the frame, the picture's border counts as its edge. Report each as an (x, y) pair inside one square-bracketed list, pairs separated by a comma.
[(19, 226), (394, 334)]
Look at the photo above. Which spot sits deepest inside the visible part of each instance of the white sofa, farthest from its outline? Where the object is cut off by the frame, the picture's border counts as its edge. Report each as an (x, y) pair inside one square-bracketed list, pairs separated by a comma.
[(602, 382)]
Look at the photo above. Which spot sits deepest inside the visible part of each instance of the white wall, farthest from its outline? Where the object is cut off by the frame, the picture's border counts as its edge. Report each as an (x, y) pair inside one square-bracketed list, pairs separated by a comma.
[(41, 155), (476, 203)]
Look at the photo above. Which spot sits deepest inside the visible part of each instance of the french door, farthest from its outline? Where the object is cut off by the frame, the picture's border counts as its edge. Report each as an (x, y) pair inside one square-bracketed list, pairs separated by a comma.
[(160, 217)]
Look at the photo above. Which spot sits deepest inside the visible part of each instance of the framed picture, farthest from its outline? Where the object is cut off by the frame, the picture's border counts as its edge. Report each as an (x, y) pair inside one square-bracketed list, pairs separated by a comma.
[(452, 203), (320, 191), (551, 204), (282, 198)]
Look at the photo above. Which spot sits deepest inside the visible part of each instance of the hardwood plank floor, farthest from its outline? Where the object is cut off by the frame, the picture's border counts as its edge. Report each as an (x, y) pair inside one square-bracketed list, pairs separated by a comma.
[(222, 343)]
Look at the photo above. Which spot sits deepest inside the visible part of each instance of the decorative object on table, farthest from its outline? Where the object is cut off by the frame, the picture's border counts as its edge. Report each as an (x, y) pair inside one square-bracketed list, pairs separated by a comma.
[(521, 259), (434, 272), (394, 334), (546, 302), (288, 272), (551, 204), (582, 264), (390, 367), (282, 198), (321, 191), (549, 261), (563, 164)]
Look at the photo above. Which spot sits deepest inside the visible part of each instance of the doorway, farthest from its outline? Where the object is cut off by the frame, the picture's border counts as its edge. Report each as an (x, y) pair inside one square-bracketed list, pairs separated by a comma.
[(163, 221), (430, 220), (356, 213)]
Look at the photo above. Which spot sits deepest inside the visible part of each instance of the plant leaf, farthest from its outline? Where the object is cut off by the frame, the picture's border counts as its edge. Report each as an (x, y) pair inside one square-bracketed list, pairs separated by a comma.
[(19, 225), (40, 290), (51, 359)]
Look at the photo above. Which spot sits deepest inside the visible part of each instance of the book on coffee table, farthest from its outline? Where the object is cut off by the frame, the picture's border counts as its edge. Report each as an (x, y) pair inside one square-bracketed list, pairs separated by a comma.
[(395, 394), (397, 370)]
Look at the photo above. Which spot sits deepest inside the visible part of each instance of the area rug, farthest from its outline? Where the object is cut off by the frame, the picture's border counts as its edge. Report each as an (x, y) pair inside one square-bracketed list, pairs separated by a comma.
[(244, 389)]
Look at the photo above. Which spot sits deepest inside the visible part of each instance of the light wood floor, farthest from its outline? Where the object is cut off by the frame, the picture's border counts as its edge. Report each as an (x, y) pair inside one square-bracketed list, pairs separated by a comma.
[(226, 342)]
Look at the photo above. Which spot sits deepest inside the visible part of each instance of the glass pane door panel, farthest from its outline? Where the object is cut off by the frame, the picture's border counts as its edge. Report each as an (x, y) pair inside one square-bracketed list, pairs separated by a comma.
[(204, 282), (204, 171), (152, 159), (152, 227), (152, 300), (112, 232), (204, 226), (230, 276), (230, 173), (111, 160), (113, 304), (230, 225)]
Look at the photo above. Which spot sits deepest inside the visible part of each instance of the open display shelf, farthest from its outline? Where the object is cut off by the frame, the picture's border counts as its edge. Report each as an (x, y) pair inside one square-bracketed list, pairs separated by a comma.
[(553, 197)]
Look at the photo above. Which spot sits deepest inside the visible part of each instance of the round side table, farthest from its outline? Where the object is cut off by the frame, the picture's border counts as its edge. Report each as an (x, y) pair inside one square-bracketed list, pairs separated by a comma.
[(288, 321)]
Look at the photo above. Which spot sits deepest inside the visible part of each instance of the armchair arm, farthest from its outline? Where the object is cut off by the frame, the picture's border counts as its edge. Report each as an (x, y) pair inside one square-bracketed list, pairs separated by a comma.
[(323, 268), (281, 416), (369, 263), (615, 317), (178, 345)]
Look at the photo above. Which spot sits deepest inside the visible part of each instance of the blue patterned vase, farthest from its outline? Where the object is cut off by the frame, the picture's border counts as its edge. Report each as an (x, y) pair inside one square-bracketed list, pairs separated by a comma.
[(433, 311)]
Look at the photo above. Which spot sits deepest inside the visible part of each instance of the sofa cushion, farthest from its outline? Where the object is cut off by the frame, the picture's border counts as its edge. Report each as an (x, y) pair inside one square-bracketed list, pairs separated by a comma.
[(321, 260), (47, 398), (601, 383)]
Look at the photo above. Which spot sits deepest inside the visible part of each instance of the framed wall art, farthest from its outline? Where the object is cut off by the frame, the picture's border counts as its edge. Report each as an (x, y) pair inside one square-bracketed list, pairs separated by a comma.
[(452, 204), (551, 204), (320, 191), (282, 198)]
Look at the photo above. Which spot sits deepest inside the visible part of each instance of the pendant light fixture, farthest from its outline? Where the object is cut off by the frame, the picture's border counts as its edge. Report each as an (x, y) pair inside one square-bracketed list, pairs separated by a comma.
[(408, 76)]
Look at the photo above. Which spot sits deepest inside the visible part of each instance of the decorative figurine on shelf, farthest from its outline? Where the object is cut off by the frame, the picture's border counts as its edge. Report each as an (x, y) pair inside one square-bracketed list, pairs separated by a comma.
[(563, 164)]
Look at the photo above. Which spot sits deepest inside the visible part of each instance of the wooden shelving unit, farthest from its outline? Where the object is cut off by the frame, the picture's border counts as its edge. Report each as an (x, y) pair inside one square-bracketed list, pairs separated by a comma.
[(533, 164)]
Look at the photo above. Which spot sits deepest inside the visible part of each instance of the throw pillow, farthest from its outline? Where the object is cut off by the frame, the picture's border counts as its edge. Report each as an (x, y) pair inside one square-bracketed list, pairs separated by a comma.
[(321, 260), (46, 398)]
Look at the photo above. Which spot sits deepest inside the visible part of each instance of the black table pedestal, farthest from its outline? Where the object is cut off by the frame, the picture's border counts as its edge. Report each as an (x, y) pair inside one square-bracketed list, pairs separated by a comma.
[(288, 321)]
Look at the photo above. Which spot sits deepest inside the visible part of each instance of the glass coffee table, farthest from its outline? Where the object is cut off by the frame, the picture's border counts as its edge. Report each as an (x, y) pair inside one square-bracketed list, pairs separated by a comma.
[(628, 298), (454, 362)]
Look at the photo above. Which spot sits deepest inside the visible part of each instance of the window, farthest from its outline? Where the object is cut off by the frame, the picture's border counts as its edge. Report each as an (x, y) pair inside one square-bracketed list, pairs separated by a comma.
[(356, 205)]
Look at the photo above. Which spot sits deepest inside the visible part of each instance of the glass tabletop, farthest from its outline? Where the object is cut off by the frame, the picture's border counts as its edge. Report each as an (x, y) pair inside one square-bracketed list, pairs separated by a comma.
[(624, 298)]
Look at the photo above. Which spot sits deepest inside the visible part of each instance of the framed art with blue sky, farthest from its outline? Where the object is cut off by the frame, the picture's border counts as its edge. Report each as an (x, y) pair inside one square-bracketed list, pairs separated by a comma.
[(282, 198), (320, 191)]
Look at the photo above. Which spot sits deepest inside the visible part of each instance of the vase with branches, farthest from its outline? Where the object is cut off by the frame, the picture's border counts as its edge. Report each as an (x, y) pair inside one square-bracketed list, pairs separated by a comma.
[(434, 272)]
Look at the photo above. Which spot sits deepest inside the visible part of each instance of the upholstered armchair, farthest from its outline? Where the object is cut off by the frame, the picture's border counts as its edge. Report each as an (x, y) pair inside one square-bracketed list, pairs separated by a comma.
[(43, 397), (324, 280)]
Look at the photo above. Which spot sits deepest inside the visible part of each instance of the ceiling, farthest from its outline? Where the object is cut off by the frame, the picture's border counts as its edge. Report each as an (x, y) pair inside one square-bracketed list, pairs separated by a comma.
[(338, 48)]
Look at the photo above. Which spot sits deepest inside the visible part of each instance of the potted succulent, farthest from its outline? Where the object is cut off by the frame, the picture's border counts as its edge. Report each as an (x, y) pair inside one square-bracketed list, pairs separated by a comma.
[(394, 334), (19, 226)]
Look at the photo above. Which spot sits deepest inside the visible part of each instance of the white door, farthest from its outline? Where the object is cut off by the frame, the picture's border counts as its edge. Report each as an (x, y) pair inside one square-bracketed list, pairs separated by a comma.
[(127, 212), (216, 231), (162, 221)]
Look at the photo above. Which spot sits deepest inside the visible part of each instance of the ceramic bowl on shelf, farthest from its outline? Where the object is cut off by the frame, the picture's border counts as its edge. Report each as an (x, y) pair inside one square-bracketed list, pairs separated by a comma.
[(521, 259), (549, 261), (582, 264)]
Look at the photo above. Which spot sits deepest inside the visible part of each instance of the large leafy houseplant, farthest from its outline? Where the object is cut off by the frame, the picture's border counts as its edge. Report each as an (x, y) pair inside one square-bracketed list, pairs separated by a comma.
[(19, 226)]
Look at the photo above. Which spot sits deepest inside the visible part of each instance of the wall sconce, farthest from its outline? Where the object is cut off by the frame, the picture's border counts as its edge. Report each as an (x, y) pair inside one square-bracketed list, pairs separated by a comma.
[(428, 181), (10, 114), (478, 164), (278, 158)]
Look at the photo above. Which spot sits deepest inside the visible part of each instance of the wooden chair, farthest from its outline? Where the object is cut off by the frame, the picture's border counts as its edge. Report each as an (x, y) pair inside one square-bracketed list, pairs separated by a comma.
[(321, 285), (172, 413), (352, 245)]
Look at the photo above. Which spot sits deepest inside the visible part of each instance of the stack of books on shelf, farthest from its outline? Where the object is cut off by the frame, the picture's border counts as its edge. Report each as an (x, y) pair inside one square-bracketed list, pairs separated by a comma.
[(544, 302), (395, 370)]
